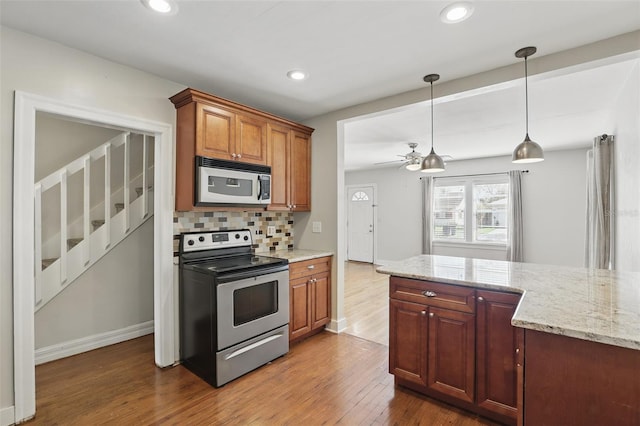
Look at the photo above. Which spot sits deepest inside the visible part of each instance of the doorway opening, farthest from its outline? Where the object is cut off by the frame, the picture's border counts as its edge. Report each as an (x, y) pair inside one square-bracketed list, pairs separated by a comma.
[(25, 110)]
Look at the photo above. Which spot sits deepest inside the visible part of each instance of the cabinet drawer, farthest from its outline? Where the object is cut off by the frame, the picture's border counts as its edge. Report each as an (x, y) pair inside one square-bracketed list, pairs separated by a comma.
[(446, 296), (309, 267)]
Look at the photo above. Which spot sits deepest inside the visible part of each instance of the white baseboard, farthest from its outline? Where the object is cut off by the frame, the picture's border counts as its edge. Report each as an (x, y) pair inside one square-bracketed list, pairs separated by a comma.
[(337, 326), (7, 416), (85, 344)]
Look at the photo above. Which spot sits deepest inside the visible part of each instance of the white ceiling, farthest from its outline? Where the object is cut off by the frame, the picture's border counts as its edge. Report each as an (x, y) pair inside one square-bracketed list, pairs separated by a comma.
[(354, 51)]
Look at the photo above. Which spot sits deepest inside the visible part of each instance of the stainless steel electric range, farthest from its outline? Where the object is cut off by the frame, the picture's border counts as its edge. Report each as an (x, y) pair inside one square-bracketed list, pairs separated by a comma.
[(234, 305)]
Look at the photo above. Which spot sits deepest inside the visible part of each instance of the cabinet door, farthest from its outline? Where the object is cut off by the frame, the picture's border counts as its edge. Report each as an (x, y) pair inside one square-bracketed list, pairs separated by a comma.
[(251, 139), (321, 298), (299, 308), (300, 162), (451, 353), (215, 132), (497, 342), (408, 341), (278, 158)]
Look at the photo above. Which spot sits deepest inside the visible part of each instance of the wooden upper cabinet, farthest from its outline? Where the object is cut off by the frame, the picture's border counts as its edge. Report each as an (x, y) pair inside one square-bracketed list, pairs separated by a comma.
[(251, 139), (215, 132), (301, 171), (278, 141), (214, 127), (290, 161)]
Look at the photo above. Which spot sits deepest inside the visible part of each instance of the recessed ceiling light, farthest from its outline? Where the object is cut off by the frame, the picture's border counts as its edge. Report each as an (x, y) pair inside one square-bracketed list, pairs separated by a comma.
[(456, 12), (297, 75), (165, 7)]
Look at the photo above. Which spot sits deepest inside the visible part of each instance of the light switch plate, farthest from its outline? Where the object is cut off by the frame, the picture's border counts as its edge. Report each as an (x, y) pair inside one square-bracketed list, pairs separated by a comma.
[(271, 230), (317, 227)]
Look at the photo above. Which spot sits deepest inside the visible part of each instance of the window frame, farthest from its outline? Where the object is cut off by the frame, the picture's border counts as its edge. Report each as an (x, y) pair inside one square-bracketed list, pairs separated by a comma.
[(468, 182)]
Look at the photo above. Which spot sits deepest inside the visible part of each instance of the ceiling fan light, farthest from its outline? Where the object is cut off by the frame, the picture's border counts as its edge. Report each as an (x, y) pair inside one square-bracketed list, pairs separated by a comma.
[(413, 166), (432, 163), (527, 152)]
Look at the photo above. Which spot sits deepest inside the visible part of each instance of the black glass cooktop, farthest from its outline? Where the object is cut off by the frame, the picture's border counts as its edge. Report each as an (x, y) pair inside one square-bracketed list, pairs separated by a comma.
[(238, 263)]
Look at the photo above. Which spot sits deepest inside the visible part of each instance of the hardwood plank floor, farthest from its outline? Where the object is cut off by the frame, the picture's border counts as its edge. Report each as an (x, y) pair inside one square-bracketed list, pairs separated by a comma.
[(366, 302), (325, 380)]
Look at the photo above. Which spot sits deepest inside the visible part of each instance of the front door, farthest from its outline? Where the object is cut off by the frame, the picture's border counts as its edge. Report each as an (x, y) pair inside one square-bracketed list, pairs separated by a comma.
[(360, 223)]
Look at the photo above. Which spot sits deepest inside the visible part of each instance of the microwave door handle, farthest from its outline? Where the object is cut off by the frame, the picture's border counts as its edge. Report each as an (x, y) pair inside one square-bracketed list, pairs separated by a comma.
[(260, 187)]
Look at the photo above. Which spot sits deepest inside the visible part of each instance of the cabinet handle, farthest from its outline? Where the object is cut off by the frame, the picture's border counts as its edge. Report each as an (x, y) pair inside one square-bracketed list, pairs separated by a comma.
[(239, 155), (233, 155), (431, 315), (517, 350), (294, 206), (311, 267), (429, 293), (424, 312), (480, 299)]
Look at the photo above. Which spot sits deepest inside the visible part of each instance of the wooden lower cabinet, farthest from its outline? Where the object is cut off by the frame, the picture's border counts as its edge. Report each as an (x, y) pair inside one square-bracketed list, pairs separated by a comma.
[(408, 331), (451, 369), (498, 345), (457, 345), (309, 297)]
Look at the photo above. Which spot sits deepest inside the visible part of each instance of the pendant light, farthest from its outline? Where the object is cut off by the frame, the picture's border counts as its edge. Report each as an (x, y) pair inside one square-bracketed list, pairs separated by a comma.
[(432, 163), (528, 151)]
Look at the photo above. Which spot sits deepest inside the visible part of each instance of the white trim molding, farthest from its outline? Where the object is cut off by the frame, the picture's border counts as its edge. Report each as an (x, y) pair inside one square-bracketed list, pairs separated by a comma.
[(26, 107), (89, 343), (7, 415)]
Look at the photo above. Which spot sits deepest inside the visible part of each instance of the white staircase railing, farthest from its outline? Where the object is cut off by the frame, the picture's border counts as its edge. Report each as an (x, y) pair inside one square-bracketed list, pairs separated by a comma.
[(77, 254)]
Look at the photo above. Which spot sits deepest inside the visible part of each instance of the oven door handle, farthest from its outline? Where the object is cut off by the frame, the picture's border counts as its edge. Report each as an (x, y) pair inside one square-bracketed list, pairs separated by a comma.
[(252, 346)]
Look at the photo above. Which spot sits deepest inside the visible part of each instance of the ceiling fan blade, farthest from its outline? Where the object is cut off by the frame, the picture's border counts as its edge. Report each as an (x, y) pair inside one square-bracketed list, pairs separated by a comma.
[(388, 162)]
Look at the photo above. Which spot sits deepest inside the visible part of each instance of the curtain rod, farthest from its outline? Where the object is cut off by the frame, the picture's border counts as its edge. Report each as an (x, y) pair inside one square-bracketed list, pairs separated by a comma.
[(476, 174)]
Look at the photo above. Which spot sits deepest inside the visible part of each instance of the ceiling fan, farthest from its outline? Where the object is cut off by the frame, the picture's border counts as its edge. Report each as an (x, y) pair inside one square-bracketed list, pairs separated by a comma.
[(413, 160)]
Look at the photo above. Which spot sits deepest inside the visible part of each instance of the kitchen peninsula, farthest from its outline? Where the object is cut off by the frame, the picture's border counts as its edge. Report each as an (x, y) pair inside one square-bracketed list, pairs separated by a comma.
[(575, 338)]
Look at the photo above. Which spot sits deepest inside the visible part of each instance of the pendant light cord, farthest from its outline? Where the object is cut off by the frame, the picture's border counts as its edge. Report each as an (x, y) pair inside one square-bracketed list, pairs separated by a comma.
[(432, 116), (526, 96)]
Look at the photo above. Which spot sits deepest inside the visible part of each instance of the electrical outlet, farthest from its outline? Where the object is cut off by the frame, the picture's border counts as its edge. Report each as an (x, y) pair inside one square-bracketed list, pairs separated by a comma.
[(271, 230), (316, 227)]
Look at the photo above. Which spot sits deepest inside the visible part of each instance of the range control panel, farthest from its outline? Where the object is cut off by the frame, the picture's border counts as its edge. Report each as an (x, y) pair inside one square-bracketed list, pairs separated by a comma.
[(208, 240)]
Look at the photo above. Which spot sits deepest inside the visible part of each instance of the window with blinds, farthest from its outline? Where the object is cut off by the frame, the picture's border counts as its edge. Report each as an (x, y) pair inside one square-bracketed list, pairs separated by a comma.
[(471, 210)]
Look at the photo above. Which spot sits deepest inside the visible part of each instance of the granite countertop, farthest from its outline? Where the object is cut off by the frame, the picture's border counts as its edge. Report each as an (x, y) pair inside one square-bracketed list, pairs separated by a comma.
[(296, 255), (590, 304)]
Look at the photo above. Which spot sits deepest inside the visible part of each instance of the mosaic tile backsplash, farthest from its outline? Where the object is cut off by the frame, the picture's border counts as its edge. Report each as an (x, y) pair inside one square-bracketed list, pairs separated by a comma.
[(257, 222)]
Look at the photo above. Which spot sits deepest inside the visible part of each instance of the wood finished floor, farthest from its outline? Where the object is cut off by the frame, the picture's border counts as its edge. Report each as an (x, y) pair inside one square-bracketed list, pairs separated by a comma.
[(327, 379), (366, 302)]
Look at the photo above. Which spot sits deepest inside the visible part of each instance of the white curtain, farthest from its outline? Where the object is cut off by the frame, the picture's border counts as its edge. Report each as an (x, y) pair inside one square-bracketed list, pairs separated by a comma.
[(514, 243), (599, 235), (427, 207)]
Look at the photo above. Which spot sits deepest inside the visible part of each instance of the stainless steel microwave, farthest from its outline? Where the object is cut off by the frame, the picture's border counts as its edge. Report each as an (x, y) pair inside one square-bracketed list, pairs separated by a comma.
[(231, 182)]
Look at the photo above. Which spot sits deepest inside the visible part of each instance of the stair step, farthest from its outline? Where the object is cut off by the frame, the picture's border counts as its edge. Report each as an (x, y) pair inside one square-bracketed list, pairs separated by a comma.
[(72, 242), (119, 207), (139, 190), (97, 223), (47, 262)]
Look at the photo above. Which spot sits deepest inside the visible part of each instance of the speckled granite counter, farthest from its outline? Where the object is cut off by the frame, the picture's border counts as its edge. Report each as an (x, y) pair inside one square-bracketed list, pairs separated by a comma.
[(596, 305), (297, 255)]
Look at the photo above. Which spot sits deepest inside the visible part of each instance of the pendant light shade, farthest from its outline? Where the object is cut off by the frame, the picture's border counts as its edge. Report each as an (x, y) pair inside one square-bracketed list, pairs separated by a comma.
[(432, 163), (527, 151)]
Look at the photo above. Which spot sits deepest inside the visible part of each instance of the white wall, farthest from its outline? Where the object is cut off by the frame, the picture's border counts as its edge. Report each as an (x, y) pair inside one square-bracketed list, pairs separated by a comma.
[(627, 176), (553, 203), (115, 293), (37, 66)]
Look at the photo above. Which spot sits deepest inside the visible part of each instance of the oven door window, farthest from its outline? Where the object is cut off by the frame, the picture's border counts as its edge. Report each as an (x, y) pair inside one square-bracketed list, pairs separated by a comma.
[(254, 302)]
